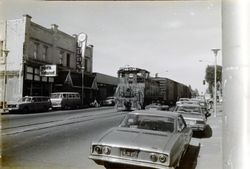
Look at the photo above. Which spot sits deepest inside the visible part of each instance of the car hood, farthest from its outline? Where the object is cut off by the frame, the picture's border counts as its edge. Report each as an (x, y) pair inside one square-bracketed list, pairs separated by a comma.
[(136, 139), (16, 103), (13, 103)]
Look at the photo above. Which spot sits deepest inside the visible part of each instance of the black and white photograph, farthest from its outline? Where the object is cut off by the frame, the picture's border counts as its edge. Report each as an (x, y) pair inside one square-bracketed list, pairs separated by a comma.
[(124, 84)]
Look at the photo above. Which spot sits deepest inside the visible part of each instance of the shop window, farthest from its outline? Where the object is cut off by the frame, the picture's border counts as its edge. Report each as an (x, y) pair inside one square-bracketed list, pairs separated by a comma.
[(45, 52), (61, 57), (36, 47)]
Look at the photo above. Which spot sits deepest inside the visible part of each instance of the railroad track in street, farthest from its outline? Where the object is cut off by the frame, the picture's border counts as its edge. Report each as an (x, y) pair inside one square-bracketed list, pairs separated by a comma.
[(57, 123)]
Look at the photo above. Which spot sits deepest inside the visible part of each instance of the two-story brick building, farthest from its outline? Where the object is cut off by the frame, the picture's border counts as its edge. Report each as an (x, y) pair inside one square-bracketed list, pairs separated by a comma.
[(32, 46)]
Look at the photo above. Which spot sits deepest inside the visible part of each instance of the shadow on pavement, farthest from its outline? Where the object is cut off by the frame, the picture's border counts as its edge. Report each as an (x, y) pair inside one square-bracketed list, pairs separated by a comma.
[(189, 161), (207, 133)]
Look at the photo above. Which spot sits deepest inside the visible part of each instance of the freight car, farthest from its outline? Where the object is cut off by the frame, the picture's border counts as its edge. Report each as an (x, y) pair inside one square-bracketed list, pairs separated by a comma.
[(171, 91), (136, 89)]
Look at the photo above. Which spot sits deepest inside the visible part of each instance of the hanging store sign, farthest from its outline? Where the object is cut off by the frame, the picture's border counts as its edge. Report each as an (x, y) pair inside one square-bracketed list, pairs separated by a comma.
[(48, 70)]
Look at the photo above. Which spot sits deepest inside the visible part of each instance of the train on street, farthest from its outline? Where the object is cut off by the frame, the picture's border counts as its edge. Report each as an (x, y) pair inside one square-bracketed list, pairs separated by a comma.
[(136, 89)]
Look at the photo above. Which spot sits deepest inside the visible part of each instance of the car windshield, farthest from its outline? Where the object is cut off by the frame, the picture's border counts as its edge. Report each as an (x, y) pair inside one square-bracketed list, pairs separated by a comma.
[(188, 109), (25, 99), (55, 95), (183, 99), (148, 122)]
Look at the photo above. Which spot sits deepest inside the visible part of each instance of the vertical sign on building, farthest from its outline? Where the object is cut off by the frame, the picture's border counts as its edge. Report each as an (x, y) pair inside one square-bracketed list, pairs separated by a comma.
[(82, 42), (81, 47), (78, 57)]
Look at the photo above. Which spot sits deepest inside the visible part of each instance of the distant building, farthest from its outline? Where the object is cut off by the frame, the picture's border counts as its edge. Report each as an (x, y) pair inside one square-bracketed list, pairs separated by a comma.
[(106, 85), (33, 48)]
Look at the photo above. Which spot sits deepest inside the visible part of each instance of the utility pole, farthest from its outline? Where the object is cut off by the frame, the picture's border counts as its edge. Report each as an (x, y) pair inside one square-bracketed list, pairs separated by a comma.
[(215, 51)]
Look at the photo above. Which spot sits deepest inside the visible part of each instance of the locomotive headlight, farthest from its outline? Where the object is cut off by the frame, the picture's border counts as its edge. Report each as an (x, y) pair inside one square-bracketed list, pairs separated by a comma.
[(162, 158), (153, 157), (98, 149), (106, 150)]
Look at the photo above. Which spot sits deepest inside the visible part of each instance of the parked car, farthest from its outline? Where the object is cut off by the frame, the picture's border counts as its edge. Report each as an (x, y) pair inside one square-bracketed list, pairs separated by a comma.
[(29, 104), (193, 115), (65, 100), (204, 106), (181, 100), (156, 106), (109, 101), (145, 138)]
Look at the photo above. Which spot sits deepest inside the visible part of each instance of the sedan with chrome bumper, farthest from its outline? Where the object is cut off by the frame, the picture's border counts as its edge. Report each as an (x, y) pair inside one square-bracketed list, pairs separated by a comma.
[(149, 138), (193, 115)]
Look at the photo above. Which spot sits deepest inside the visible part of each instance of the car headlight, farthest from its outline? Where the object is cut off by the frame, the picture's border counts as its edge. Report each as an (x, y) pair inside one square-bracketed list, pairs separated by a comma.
[(153, 157), (162, 158), (106, 150), (98, 149)]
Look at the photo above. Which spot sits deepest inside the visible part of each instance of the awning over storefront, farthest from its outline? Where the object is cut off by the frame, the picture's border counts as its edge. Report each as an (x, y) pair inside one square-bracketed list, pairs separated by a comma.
[(74, 80)]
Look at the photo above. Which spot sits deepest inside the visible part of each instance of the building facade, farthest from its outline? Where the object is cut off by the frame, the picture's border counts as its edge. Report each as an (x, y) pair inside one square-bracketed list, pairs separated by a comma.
[(106, 85), (31, 47)]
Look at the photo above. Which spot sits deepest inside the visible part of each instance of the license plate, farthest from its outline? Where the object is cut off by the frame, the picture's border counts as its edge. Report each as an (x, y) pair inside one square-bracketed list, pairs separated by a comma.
[(129, 153)]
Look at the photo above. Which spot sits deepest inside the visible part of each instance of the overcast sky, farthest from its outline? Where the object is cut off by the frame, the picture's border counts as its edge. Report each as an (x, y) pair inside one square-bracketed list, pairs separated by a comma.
[(168, 38)]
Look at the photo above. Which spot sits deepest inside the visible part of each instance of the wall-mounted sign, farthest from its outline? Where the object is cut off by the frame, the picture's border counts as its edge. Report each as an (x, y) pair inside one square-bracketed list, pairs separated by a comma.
[(48, 70)]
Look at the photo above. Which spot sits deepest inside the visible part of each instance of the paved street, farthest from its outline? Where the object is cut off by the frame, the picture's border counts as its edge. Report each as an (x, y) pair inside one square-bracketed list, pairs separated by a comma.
[(62, 139)]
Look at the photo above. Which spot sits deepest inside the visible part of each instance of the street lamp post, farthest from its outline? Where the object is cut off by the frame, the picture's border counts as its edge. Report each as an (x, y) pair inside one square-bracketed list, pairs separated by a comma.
[(6, 52), (215, 51), (82, 85)]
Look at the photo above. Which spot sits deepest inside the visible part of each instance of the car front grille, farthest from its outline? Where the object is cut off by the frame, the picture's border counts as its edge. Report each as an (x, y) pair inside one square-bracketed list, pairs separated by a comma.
[(200, 122), (12, 106)]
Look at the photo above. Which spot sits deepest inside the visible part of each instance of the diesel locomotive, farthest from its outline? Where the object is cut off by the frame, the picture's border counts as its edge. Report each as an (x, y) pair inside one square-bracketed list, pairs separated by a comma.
[(136, 89)]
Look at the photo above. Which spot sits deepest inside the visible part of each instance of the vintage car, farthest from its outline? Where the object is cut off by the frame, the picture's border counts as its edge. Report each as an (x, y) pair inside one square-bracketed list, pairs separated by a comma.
[(109, 101), (204, 106), (145, 138), (155, 106), (29, 104), (193, 115), (181, 100)]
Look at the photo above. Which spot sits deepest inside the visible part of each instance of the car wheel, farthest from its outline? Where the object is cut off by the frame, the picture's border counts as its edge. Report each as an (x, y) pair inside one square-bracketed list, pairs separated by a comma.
[(78, 106), (108, 166), (66, 107), (26, 110)]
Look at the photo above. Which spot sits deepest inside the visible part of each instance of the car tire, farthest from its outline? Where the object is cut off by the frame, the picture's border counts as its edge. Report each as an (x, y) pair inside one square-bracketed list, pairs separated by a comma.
[(66, 107), (108, 166), (25, 110)]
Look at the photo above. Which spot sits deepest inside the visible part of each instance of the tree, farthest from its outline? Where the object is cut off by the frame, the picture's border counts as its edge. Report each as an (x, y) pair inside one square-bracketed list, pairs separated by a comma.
[(209, 77), (194, 93)]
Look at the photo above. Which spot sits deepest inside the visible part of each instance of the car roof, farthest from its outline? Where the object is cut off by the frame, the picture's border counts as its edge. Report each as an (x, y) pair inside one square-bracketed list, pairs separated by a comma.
[(156, 113), (65, 93), (190, 102), (184, 98), (189, 105), (35, 97), (196, 99)]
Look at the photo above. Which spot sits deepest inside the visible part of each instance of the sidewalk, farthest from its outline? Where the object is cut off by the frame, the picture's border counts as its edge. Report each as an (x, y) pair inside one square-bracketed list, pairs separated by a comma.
[(210, 155)]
